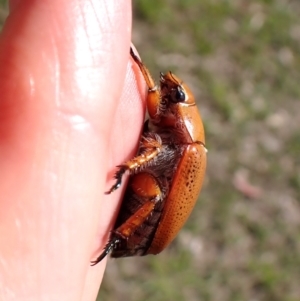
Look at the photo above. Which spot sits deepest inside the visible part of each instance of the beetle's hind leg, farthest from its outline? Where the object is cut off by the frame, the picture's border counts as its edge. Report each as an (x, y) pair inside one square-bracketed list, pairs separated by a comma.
[(126, 229), (150, 146), (147, 188), (110, 245)]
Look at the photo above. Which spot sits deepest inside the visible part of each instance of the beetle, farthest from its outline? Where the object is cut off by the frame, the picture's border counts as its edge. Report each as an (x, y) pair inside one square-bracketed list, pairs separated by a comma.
[(166, 175)]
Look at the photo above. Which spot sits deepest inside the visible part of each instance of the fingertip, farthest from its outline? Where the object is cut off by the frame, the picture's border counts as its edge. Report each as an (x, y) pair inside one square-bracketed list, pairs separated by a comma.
[(63, 74)]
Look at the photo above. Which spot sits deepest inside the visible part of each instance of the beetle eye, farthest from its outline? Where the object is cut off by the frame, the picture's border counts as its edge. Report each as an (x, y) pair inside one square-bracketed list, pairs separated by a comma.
[(179, 95)]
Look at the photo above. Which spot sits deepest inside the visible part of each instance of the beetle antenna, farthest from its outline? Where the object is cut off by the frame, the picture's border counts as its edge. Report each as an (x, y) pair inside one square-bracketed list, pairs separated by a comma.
[(110, 245)]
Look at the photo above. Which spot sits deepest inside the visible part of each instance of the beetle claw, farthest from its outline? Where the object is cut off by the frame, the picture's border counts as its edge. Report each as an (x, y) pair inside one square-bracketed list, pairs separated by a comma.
[(111, 244), (118, 177), (113, 188)]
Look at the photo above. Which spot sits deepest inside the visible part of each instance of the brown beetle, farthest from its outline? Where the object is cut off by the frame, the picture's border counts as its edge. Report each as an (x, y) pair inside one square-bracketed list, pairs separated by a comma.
[(166, 175)]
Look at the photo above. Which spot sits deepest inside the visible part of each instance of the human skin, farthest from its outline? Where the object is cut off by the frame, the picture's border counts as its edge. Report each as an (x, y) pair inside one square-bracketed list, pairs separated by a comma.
[(71, 109)]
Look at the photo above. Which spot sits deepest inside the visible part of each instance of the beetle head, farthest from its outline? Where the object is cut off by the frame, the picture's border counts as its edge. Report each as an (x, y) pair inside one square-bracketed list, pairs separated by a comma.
[(178, 110), (174, 91)]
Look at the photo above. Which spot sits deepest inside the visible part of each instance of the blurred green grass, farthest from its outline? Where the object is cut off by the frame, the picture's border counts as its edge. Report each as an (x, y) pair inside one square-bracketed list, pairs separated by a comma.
[(3, 11), (242, 242)]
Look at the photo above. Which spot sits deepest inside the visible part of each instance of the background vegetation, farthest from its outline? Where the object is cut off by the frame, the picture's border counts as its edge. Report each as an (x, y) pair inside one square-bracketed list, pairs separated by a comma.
[(242, 242)]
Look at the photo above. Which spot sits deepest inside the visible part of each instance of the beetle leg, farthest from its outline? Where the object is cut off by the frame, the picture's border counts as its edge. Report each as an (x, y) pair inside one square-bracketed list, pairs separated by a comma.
[(110, 245), (147, 76), (146, 187), (150, 146), (118, 176), (153, 97), (134, 221), (126, 229)]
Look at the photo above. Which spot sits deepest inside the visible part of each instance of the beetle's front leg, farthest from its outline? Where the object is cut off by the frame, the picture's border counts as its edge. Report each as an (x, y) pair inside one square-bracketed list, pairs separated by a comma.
[(150, 146), (154, 104)]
